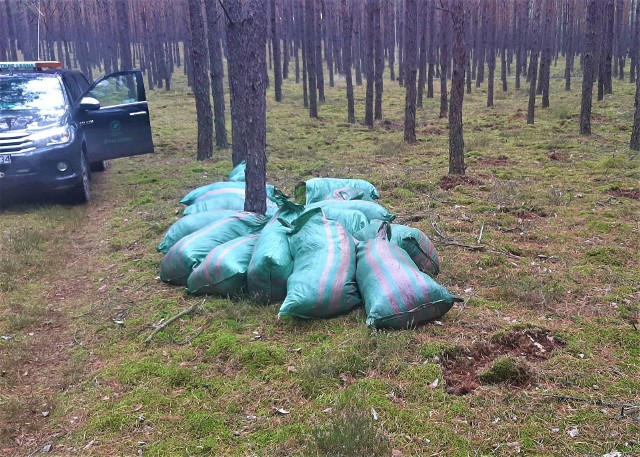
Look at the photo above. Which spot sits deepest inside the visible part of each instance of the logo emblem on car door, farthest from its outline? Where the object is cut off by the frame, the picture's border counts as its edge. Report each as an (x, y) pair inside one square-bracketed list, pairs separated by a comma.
[(115, 125)]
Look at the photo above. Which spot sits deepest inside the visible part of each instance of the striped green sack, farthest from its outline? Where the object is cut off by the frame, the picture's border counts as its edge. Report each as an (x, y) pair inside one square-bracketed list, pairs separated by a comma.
[(191, 250), (318, 189), (271, 263), (417, 244), (224, 270), (370, 209), (228, 201), (186, 225), (351, 219), (323, 282), (396, 294), (222, 188)]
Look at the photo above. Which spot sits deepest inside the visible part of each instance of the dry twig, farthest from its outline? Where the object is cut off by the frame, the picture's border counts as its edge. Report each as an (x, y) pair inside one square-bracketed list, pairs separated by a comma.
[(161, 326)]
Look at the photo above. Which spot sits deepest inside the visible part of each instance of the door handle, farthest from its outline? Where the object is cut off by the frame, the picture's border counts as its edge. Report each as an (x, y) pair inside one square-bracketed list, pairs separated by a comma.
[(138, 113)]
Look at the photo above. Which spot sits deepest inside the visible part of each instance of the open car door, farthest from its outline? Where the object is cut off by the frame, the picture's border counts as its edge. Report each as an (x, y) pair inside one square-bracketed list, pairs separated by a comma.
[(114, 117)]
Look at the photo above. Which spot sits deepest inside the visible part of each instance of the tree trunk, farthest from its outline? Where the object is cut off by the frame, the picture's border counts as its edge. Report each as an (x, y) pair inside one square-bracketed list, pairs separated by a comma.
[(422, 61), (347, 24), (217, 74), (246, 38), (635, 134), (310, 50), (379, 61), (275, 39), (456, 138), (410, 67), (533, 66), (369, 57), (490, 26), (444, 60), (318, 21), (589, 63), (201, 80)]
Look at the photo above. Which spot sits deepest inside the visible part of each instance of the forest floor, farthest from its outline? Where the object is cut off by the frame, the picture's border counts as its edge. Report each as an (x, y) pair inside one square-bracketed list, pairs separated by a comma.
[(553, 284)]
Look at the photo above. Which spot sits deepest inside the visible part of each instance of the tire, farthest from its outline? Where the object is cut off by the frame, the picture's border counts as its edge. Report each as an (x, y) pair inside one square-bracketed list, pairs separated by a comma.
[(98, 166), (80, 194)]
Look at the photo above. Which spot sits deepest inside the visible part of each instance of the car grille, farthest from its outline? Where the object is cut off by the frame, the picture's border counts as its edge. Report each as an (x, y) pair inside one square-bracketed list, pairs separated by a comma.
[(11, 143)]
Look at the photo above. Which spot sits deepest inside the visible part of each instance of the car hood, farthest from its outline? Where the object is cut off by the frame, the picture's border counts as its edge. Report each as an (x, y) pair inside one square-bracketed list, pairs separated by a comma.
[(30, 121)]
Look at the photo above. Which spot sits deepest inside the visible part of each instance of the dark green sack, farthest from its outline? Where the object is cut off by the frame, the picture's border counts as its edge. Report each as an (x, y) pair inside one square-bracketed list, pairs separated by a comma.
[(186, 225), (187, 253), (396, 294), (224, 270), (323, 282), (417, 244), (318, 189), (370, 209), (271, 263)]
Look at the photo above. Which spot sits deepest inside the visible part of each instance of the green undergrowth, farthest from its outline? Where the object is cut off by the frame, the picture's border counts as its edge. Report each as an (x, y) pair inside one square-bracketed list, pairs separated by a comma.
[(554, 215)]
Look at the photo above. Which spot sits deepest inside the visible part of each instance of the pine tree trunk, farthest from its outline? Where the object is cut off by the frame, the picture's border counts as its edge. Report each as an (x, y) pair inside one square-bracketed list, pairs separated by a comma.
[(533, 66), (275, 41), (246, 38), (410, 67), (369, 58), (217, 74), (347, 24), (444, 60), (310, 50), (589, 65), (635, 134), (379, 61), (201, 80), (456, 138)]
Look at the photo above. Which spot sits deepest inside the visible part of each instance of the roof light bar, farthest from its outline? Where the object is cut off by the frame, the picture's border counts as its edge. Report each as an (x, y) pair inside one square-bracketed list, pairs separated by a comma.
[(34, 65)]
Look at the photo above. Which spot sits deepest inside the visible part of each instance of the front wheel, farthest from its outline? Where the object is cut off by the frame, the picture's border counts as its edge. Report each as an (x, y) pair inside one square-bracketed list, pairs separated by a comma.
[(81, 192), (98, 166)]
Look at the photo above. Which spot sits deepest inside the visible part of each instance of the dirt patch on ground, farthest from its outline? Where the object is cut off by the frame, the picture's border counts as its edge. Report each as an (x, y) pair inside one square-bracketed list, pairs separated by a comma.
[(391, 126), (557, 155), (450, 181), (431, 129), (500, 161), (462, 368), (626, 193)]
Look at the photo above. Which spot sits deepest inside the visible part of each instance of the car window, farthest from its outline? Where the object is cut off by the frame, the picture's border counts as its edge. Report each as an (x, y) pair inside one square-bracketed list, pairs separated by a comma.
[(72, 87), (29, 93), (82, 82), (116, 90)]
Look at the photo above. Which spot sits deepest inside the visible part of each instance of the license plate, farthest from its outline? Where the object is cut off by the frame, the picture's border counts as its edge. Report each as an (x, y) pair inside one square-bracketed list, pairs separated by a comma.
[(5, 158)]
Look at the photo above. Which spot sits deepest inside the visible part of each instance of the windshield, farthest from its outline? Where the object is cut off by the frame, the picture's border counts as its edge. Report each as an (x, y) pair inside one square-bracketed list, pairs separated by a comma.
[(31, 94)]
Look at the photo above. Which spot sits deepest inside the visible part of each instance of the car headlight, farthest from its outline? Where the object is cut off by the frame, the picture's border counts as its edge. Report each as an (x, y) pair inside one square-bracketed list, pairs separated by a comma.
[(54, 136)]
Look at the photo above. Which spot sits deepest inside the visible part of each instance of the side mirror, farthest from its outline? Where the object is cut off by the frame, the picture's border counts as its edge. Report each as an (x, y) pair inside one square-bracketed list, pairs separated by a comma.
[(89, 104)]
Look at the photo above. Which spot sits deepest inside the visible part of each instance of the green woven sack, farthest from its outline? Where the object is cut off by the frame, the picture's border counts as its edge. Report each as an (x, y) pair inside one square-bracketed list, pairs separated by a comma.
[(224, 270), (271, 263), (396, 294), (238, 172), (191, 250), (323, 281), (417, 244), (186, 225), (370, 209), (318, 189), (352, 220), (227, 201)]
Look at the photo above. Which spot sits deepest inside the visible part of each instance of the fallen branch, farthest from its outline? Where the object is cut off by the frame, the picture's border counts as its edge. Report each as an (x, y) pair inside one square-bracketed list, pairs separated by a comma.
[(470, 247), (163, 325)]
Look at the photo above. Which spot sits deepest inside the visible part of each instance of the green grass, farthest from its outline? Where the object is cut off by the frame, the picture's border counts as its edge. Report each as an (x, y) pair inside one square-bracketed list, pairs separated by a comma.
[(558, 254)]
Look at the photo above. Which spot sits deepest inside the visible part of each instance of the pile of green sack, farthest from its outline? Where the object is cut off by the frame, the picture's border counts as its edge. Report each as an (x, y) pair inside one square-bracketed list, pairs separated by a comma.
[(337, 252)]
